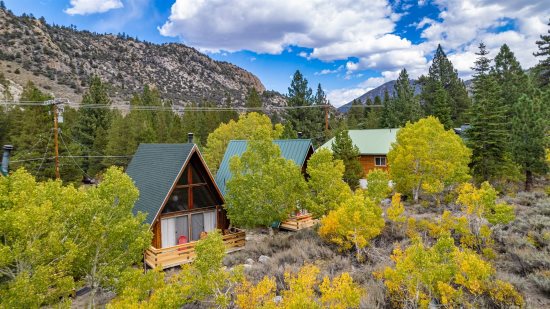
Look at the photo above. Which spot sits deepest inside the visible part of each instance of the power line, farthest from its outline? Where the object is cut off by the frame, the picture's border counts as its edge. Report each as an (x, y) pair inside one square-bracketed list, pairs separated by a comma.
[(45, 151), (170, 108), (69, 152)]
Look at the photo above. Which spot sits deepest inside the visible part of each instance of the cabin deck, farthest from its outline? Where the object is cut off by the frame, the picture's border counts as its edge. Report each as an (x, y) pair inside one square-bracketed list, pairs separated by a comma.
[(299, 222), (234, 240)]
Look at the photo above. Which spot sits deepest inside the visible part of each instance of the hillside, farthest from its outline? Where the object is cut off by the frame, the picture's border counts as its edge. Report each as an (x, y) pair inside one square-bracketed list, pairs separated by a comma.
[(61, 60), (378, 91)]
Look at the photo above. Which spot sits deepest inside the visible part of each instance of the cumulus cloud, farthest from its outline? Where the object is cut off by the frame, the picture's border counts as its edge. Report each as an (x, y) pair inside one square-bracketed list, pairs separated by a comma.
[(333, 29), (85, 7), (462, 24), (339, 97)]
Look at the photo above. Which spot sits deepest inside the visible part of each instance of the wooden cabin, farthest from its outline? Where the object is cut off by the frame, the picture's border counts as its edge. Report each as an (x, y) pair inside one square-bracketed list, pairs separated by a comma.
[(181, 201), (373, 144), (297, 150)]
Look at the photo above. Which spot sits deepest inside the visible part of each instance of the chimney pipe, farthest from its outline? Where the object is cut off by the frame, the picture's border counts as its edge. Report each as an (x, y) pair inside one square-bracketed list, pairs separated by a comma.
[(190, 137), (300, 134), (6, 159)]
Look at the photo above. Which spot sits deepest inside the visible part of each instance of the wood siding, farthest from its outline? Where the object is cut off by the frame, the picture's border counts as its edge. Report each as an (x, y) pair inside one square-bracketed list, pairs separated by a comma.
[(367, 161)]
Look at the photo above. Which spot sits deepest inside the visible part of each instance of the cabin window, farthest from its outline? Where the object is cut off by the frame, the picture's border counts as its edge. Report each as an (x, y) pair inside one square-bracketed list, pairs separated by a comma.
[(202, 197), (186, 228), (380, 161), (178, 201)]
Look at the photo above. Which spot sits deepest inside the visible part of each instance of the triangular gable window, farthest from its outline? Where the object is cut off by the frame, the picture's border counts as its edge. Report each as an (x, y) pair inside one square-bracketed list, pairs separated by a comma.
[(194, 189)]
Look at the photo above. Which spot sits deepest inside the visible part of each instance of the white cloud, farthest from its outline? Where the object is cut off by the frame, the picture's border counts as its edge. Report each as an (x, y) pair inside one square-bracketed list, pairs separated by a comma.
[(333, 29), (85, 7), (329, 71), (360, 32), (465, 23), (339, 97)]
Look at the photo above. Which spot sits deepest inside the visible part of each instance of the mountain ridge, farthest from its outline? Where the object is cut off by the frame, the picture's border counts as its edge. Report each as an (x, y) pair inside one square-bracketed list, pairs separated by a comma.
[(62, 59)]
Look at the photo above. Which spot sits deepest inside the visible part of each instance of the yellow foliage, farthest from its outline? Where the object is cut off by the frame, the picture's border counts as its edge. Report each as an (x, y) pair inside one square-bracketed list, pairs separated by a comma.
[(260, 296), (504, 294), (353, 224), (444, 272), (482, 203), (300, 293), (396, 210), (426, 157), (341, 293)]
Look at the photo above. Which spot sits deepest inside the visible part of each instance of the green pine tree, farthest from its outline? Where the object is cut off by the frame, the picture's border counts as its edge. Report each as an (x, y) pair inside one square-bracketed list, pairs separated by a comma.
[(440, 106), (543, 67), (487, 136), (390, 117), (92, 124), (407, 106), (309, 121), (528, 137), (253, 99), (442, 71), (512, 79), (355, 115), (343, 149)]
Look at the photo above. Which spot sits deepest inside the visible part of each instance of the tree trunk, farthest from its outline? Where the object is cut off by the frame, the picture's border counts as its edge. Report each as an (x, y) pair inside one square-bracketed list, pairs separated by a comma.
[(270, 229), (528, 180)]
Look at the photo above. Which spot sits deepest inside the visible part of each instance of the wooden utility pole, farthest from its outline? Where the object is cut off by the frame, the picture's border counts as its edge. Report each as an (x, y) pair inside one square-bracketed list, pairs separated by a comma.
[(55, 140), (54, 103)]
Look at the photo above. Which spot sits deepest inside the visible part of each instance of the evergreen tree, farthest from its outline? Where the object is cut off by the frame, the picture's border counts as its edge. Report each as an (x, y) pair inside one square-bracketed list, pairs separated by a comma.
[(307, 120), (440, 106), (355, 116), (253, 99), (390, 118), (543, 68), (442, 71), (511, 78), (487, 136), (320, 99), (528, 134), (406, 105), (344, 150), (92, 125), (228, 115), (372, 121)]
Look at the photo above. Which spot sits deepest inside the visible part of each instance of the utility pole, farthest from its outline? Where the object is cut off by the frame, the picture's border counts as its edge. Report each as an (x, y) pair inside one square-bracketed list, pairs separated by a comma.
[(57, 108)]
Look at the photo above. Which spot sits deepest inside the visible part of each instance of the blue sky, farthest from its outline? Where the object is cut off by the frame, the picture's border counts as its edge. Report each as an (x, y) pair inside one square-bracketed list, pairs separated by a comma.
[(349, 46)]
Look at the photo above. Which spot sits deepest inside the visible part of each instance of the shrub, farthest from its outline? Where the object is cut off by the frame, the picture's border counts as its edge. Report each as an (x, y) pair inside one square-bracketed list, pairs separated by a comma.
[(443, 272), (300, 291), (378, 185), (353, 224)]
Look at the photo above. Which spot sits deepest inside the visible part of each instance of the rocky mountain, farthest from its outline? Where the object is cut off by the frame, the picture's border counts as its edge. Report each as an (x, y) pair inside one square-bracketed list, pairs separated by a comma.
[(378, 91), (62, 59)]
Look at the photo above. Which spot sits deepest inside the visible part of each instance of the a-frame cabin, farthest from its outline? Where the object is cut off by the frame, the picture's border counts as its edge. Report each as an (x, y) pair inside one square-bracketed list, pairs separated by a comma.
[(181, 200)]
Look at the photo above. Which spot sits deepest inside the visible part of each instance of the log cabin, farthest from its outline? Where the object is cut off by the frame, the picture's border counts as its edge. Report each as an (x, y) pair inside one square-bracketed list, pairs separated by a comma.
[(297, 150), (373, 145), (181, 202)]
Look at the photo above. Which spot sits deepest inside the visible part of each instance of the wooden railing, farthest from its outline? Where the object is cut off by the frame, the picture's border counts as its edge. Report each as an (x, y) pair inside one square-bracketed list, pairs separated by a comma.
[(168, 257), (299, 222)]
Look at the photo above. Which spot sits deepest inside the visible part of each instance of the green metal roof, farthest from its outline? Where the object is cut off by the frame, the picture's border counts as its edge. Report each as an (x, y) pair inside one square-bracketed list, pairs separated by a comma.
[(369, 142), (293, 149), (154, 170)]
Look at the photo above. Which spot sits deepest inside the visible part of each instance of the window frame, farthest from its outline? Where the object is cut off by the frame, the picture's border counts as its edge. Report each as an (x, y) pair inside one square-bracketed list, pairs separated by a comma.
[(381, 158)]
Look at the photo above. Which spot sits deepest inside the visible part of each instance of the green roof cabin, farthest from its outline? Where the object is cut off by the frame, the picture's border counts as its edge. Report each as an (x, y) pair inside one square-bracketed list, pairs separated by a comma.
[(373, 144), (181, 200), (297, 150)]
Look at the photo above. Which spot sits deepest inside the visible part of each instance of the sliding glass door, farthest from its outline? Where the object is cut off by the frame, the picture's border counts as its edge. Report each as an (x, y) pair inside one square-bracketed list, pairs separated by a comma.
[(185, 228)]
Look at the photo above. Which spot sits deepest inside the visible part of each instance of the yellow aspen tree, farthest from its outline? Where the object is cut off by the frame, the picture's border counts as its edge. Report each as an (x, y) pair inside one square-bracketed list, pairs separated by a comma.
[(353, 224), (427, 158)]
